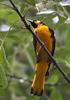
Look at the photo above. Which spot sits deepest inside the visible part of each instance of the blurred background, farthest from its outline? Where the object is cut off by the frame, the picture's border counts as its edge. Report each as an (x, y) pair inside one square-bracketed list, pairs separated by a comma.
[(17, 57)]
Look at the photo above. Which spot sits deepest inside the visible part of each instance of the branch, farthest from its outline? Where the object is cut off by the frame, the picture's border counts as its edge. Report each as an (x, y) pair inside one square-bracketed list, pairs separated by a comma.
[(41, 43), (30, 81)]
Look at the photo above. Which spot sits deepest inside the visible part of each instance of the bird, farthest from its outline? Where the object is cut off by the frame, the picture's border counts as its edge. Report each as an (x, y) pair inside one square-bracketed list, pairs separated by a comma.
[(46, 35)]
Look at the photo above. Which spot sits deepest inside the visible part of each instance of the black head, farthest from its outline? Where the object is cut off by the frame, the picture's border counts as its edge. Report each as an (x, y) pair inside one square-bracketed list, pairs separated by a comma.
[(35, 23)]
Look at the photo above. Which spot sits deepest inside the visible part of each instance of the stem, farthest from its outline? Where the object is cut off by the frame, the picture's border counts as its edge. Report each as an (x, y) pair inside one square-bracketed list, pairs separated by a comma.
[(30, 81)]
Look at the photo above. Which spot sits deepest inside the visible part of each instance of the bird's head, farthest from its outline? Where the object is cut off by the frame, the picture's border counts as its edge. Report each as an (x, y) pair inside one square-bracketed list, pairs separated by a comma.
[(35, 23)]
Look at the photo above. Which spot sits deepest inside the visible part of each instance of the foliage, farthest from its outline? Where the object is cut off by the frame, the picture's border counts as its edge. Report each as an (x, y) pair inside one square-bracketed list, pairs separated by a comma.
[(17, 56)]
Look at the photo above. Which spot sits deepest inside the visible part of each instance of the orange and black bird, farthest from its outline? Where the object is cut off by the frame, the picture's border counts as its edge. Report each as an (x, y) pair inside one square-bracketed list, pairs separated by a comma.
[(46, 35)]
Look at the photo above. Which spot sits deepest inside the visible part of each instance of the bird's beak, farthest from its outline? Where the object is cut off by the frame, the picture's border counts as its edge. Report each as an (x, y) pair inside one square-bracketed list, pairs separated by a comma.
[(29, 20), (32, 23)]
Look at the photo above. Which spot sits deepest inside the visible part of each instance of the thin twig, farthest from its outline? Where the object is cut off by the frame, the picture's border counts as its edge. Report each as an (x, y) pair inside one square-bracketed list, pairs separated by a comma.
[(41, 43), (30, 81), (6, 5)]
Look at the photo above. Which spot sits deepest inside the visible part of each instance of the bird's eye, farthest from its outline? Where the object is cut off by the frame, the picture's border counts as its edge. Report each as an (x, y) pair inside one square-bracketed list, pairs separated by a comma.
[(34, 25), (42, 23)]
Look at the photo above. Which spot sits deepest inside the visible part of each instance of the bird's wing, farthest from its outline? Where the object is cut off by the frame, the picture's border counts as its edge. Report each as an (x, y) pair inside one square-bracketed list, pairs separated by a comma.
[(53, 38), (53, 49)]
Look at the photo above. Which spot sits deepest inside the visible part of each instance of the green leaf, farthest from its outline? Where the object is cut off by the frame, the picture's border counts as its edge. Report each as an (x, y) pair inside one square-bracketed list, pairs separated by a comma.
[(53, 78), (3, 78), (65, 88), (3, 68), (56, 95), (3, 60)]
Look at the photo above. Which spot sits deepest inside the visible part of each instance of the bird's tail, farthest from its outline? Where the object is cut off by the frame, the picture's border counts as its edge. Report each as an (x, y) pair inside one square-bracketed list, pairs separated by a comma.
[(39, 78)]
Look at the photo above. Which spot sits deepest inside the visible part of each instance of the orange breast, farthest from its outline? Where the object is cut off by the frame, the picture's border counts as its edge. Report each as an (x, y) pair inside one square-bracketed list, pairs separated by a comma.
[(44, 34)]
